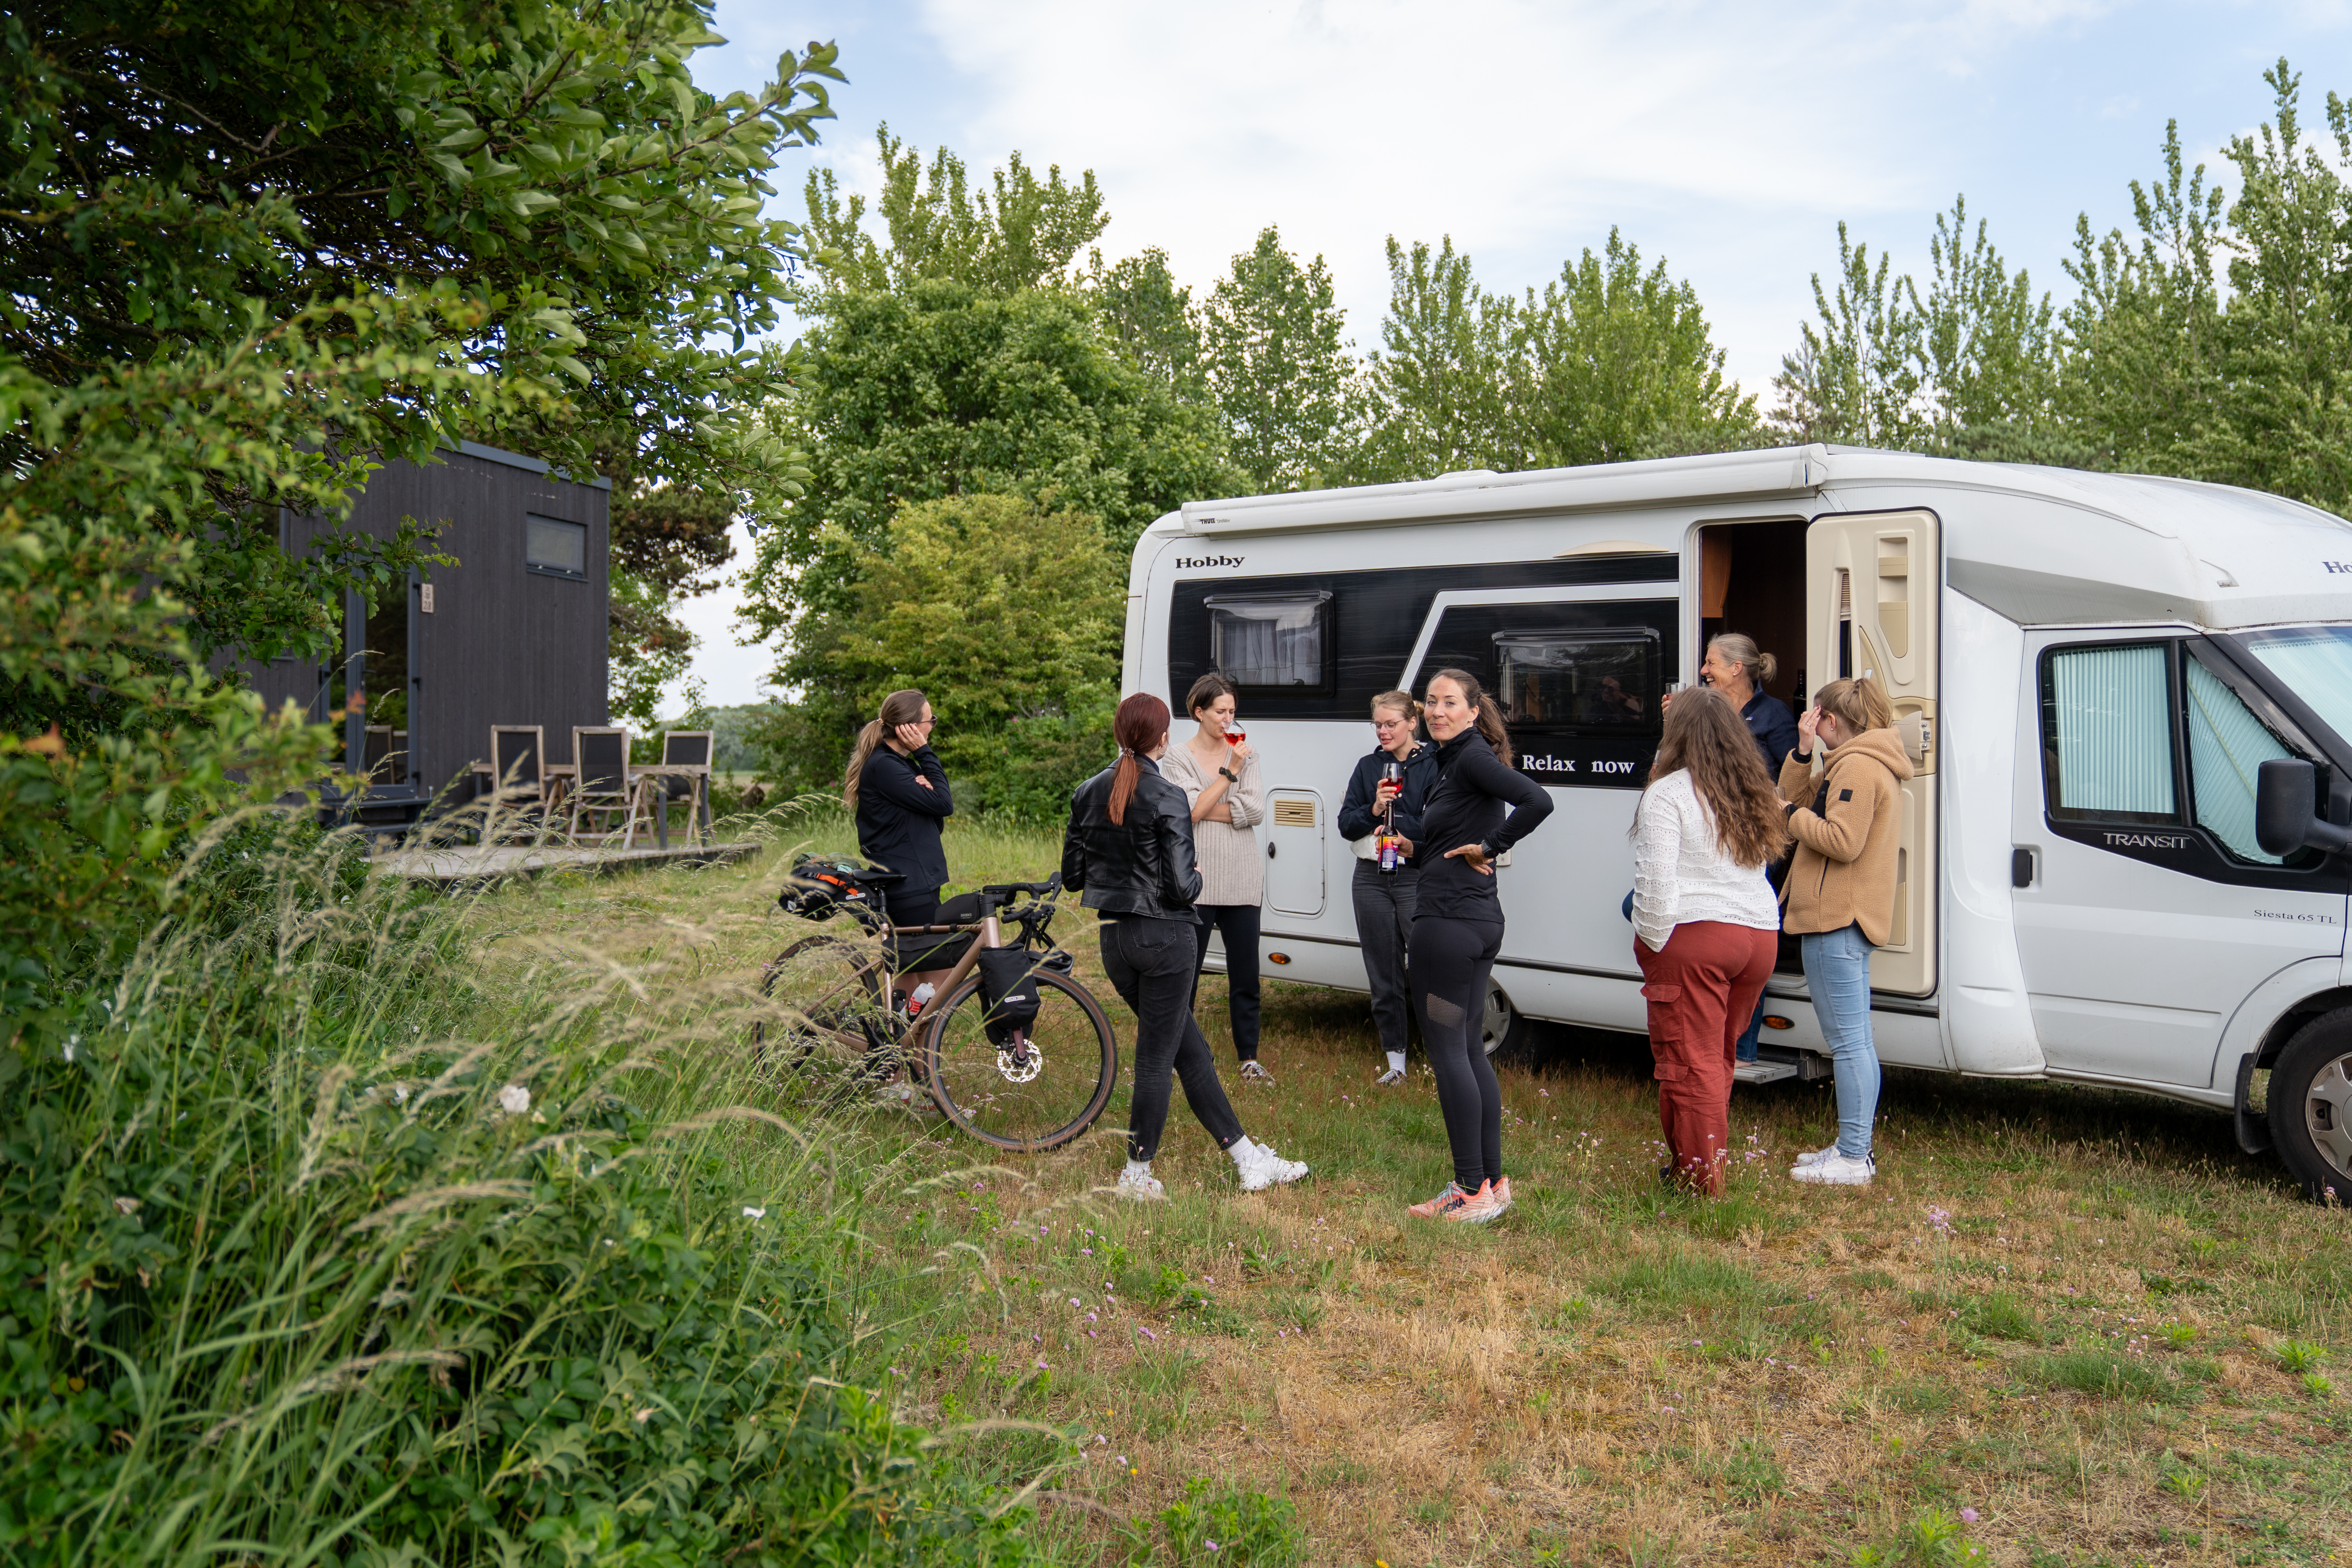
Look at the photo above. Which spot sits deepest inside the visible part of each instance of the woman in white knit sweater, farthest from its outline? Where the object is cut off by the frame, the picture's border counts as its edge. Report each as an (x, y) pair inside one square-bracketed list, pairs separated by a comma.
[(1704, 920), (1220, 777)]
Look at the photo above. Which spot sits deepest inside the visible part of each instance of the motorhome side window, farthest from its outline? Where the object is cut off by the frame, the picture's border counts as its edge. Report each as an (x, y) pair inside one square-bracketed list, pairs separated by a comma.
[(1271, 641), (2110, 737), (1605, 679), (2106, 734)]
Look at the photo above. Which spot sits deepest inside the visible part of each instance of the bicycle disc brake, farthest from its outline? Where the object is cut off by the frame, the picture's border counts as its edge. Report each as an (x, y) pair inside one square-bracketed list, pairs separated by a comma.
[(1018, 1060)]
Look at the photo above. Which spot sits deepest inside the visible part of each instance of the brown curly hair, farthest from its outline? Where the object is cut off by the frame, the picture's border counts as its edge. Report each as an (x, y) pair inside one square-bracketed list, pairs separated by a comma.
[(1705, 738)]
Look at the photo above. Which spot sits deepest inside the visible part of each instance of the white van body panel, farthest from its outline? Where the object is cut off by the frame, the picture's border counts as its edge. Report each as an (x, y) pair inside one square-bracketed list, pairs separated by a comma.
[(2031, 556)]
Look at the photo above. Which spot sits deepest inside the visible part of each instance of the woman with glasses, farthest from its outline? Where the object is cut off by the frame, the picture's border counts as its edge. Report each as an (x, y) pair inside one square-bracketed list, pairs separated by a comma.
[(900, 795)]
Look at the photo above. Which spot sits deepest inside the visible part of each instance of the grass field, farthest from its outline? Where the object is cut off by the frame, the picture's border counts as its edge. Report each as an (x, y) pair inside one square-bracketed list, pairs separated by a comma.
[(2063, 1327)]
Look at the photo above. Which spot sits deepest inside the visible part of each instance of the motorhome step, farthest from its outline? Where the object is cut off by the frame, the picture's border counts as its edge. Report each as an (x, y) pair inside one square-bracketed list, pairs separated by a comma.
[(1762, 1071)]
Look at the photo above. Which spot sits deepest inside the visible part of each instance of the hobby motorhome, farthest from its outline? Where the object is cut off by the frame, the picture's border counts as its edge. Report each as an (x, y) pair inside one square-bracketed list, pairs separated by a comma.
[(2089, 670)]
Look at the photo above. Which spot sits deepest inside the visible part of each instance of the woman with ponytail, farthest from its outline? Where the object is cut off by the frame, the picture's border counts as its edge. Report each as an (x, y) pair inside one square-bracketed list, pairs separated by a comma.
[(1457, 929), (899, 793), (1128, 851)]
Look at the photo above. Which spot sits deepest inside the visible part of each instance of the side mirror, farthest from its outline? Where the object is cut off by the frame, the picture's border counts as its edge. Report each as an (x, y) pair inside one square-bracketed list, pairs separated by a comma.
[(2287, 810)]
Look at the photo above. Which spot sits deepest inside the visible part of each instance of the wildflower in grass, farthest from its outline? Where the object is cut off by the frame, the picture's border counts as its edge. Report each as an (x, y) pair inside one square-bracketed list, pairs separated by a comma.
[(1967, 1516), (751, 1212), (1041, 1365), (644, 1415), (1940, 1218), (1147, 1333), (514, 1099)]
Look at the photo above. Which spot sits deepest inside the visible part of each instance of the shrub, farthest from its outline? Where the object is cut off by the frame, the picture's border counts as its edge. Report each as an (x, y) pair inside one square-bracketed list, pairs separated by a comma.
[(337, 1258), (1229, 1526)]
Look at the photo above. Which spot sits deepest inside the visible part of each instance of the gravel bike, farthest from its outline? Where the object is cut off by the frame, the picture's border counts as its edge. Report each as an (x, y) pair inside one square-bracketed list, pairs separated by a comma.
[(1013, 1051)]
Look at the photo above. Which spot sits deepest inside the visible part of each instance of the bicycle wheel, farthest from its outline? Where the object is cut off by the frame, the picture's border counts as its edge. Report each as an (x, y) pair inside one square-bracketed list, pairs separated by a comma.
[(1039, 1092), (829, 996)]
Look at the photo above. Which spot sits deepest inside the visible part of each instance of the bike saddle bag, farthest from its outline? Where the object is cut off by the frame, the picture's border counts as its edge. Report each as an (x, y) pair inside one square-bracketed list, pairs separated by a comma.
[(820, 887), (1008, 991)]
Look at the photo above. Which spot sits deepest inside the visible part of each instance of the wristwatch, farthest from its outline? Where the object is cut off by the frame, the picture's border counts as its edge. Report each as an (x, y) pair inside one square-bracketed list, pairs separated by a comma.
[(1230, 774)]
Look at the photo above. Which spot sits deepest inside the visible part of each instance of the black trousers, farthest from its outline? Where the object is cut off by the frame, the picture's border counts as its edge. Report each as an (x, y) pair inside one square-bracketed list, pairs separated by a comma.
[(1384, 901), (1450, 961), (1153, 965), (1238, 924)]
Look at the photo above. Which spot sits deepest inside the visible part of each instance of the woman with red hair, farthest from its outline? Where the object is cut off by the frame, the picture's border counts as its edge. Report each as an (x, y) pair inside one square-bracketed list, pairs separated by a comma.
[(1130, 852)]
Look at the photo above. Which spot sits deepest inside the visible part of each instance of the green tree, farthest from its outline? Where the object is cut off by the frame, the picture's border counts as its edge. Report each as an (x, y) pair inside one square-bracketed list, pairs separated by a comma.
[(2173, 376), (1007, 616), (1279, 368), (1439, 383), (1969, 367), (178, 179), (1151, 321), (1616, 364)]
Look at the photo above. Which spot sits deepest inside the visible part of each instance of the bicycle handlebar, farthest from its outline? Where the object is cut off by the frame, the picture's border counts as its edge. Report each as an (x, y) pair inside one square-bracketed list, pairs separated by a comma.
[(1045, 890)]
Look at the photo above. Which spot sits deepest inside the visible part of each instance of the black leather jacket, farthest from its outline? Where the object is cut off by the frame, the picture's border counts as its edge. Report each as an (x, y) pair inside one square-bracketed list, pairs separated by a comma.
[(1143, 868)]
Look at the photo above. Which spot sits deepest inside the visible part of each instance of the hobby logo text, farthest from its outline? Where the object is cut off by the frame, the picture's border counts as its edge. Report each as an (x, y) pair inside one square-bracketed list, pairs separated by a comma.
[(1182, 564)]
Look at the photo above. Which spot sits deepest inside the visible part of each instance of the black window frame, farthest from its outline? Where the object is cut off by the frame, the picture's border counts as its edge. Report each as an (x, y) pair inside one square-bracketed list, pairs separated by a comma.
[(1653, 720), (541, 568), (2176, 737), (1327, 634)]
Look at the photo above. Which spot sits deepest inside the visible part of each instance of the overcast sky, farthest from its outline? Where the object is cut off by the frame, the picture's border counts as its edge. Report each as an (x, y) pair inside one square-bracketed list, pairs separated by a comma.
[(1729, 138)]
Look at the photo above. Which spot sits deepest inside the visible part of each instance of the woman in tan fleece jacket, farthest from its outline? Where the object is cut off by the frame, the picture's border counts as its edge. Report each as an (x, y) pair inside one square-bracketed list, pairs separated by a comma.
[(1840, 892)]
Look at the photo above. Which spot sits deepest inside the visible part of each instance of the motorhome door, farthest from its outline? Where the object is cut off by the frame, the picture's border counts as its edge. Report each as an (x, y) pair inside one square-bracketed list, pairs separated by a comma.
[(1870, 602), (2146, 911)]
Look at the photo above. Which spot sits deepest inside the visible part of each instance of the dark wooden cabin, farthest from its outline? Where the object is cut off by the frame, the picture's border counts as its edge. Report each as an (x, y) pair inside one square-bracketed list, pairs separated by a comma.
[(513, 634)]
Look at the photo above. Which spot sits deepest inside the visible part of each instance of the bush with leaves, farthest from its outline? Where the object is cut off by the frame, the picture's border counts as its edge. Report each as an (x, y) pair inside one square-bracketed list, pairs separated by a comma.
[(1007, 616), (344, 1256)]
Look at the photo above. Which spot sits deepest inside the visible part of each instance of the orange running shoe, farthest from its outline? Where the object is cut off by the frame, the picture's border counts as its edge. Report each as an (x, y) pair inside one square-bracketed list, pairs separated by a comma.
[(1452, 1197), (1481, 1206), (1503, 1191)]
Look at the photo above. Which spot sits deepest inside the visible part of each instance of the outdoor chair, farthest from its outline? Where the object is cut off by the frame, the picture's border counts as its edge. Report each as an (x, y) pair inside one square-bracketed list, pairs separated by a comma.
[(684, 774), (518, 769), (603, 789)]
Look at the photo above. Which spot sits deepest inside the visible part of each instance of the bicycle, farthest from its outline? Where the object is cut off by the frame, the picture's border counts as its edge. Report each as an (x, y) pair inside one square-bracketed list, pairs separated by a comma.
[(1026, 1084)]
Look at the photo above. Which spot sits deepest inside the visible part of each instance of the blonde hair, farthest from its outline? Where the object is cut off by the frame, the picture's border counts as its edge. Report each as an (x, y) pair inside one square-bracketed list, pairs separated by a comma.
[(1858, 704), (1397, 702), (898, 707), (1740, 649)]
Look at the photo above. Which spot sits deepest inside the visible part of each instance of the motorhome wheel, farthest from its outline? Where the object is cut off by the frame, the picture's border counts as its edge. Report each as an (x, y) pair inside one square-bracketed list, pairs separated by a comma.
[(1502, 1029), (2311, 1107)]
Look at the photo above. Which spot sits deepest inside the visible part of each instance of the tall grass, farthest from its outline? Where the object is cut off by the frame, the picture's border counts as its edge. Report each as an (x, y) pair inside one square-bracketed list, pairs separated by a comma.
[(364, 1226)]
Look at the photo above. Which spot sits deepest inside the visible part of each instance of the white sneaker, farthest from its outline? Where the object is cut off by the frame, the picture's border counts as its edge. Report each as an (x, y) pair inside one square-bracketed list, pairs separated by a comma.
[(1140, 1187), (1254, 1071), (1836, 1171), (1390, 1077), (1262, 1168), (1816, 1156)]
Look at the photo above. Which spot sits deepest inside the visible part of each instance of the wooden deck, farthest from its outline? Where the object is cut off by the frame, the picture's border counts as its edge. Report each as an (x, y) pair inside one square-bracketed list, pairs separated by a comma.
[(464, 866)]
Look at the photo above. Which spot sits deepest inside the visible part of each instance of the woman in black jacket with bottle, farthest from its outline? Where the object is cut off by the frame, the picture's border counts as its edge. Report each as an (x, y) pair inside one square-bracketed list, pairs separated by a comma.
[(1387, 881), (899, 793), (1457, 929), (1129, 851)]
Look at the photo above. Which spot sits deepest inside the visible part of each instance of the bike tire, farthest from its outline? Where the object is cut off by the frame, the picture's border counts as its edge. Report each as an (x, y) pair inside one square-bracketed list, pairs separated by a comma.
[(842, 983), (975, 1087)]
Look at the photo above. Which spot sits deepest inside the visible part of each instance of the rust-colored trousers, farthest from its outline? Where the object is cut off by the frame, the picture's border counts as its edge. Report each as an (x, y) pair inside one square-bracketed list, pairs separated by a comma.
[(1702, 988)]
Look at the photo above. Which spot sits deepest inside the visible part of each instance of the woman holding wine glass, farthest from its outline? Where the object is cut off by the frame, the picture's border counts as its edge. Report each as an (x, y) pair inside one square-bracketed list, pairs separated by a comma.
[(1381, 816), (1219, 776)]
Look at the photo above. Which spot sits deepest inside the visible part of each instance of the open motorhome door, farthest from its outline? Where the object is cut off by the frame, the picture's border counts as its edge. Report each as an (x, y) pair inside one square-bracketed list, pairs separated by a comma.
[(1871, 604)]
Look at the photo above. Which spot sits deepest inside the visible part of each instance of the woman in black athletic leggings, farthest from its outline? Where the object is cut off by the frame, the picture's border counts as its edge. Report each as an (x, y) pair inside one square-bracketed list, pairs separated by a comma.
[(1457, 929)]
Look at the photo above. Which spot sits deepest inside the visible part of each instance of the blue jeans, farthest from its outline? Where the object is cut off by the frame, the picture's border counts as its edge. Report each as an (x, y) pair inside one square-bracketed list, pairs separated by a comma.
[(1746, 1050), (1837, 972)]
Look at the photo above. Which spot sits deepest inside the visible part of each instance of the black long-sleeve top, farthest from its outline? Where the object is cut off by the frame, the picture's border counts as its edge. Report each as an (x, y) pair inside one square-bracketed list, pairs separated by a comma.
[(1774, 727), (898, 820), (1357, 816), (1466, 804)]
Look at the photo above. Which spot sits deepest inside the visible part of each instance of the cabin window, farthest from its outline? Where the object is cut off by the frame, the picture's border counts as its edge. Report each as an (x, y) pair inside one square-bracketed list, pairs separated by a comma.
[(553, 545), (2106, 734), (2227, 745), (1271, 641), (1604, 679)]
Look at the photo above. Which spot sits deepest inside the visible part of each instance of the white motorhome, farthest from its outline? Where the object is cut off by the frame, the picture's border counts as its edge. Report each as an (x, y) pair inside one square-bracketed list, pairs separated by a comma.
[(2091, 670)]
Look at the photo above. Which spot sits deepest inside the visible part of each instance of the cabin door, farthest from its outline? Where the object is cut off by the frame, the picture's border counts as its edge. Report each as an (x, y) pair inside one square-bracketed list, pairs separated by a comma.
[(1871, 610)]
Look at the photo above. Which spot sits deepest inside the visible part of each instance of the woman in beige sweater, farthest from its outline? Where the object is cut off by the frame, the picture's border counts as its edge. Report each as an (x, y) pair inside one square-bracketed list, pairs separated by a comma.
[(1841, 891), (1220, 776)]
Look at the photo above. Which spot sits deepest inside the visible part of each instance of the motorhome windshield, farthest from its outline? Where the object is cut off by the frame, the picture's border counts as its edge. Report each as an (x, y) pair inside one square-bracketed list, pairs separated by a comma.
[(2315, 663)]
